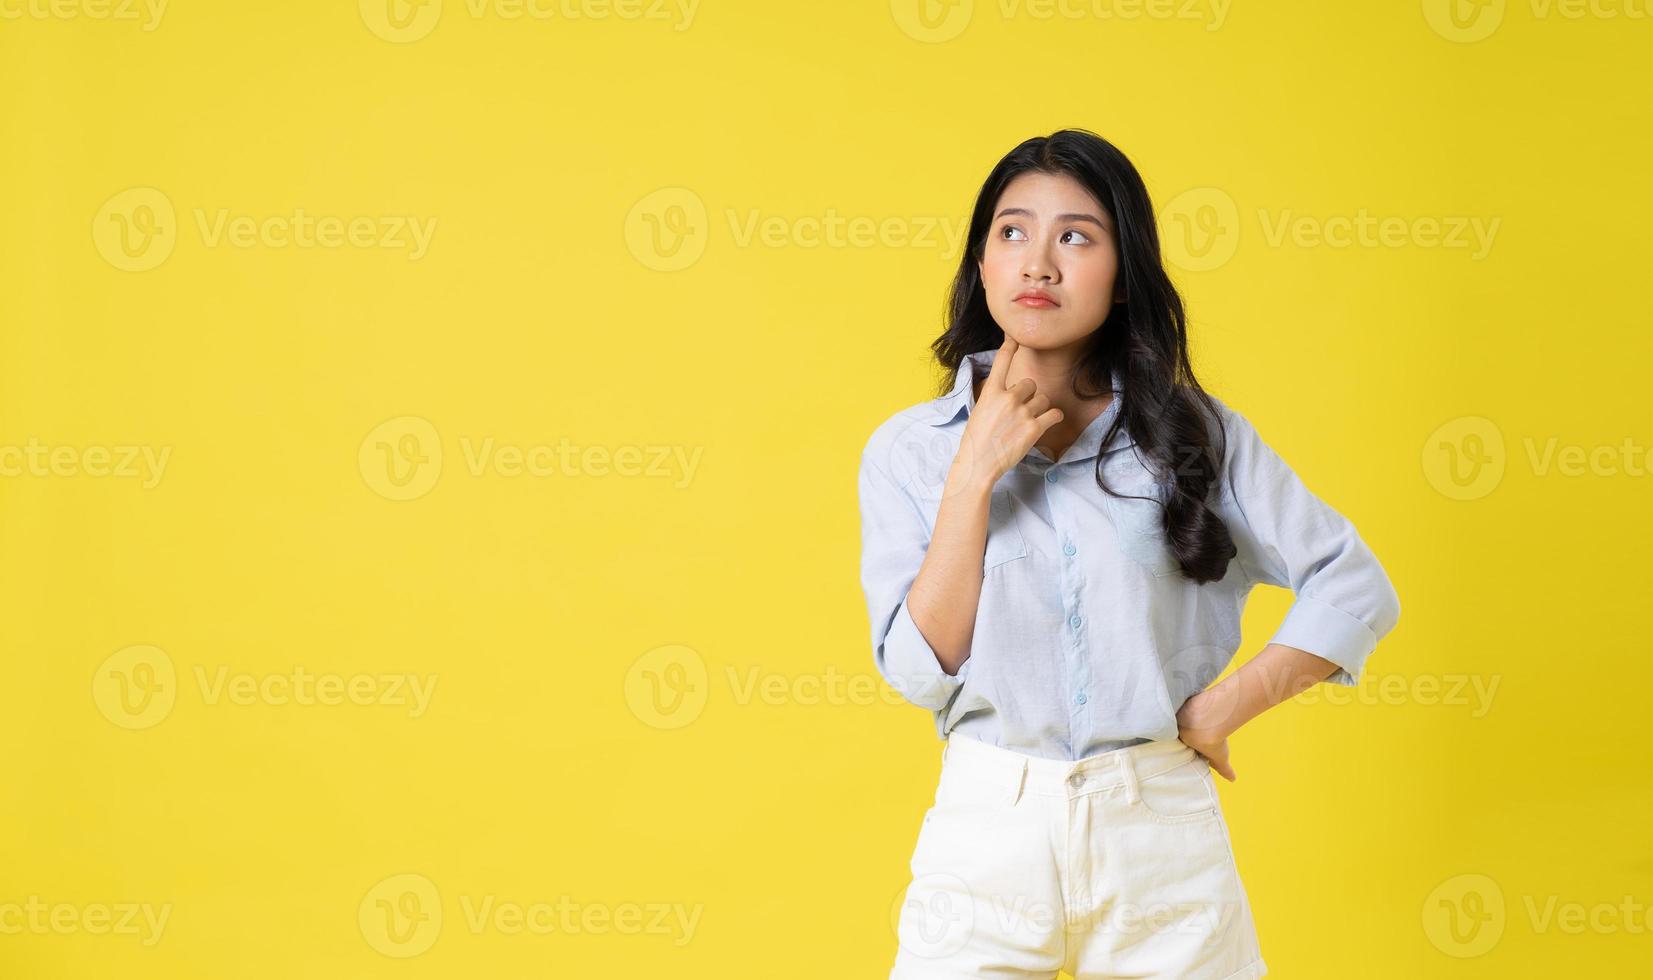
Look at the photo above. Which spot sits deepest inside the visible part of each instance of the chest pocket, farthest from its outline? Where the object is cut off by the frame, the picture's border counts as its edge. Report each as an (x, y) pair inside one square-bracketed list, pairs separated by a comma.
[(1139, 523), (1004, 539)]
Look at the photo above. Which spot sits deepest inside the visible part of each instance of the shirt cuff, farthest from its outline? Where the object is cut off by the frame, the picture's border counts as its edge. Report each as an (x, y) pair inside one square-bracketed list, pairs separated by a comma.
[(911, 667), (1328, 632)]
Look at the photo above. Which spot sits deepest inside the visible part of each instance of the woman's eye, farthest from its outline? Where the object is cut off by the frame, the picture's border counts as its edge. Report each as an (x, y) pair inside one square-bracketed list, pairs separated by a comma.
[(1071, 236)]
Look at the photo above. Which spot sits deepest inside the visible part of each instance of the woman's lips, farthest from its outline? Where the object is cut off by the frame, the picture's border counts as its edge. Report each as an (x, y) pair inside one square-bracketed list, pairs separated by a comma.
[(1037, 302)]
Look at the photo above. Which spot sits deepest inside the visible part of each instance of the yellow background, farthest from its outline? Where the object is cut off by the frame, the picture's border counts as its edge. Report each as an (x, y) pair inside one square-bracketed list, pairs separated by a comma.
[(591, 734)]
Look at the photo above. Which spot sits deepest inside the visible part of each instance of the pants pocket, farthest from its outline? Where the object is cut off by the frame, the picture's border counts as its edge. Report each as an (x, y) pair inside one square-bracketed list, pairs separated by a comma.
[(1182, 794)]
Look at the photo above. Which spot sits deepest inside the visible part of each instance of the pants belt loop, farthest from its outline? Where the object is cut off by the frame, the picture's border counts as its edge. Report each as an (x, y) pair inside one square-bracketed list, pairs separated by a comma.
[(1021, 783), (1132, 793)]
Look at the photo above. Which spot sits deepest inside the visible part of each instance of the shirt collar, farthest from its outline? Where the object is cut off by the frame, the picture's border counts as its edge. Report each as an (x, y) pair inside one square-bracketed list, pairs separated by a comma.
[(962, 398)]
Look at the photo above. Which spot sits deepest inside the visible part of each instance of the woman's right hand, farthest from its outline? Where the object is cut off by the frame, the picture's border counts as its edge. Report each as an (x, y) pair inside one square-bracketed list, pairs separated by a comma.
[(1004, 425)]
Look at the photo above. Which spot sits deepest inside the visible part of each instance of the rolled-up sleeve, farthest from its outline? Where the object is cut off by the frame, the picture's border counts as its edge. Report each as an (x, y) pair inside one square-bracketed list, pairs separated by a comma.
[(894, 537), (1287, 537)]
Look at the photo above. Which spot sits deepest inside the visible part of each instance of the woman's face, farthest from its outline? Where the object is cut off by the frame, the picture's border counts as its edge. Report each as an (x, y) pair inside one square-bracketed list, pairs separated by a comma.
[(1049, 234)]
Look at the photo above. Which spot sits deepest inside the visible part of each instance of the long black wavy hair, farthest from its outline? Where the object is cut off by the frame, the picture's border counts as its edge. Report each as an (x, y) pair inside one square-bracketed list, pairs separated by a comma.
[(1162, 405)]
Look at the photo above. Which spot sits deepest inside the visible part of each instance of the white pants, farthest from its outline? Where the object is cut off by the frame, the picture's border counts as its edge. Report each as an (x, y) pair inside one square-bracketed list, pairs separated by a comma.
[(1118, 865)]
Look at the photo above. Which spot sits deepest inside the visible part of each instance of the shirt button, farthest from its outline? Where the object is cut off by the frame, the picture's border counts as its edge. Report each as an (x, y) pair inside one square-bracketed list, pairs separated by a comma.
[(1080, 697), (1050, 476), (1068, 549), (1073, 621)]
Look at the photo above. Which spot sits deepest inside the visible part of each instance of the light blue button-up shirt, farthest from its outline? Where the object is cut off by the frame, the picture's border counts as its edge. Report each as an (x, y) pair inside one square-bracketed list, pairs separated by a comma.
[(1087, 635)]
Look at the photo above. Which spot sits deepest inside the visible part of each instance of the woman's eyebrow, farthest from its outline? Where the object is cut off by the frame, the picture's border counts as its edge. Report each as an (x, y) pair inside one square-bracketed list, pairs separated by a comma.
[(1061, 217)]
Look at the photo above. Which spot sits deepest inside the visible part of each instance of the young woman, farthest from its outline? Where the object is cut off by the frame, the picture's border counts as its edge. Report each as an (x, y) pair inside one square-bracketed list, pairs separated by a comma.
[(1056, 553)]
